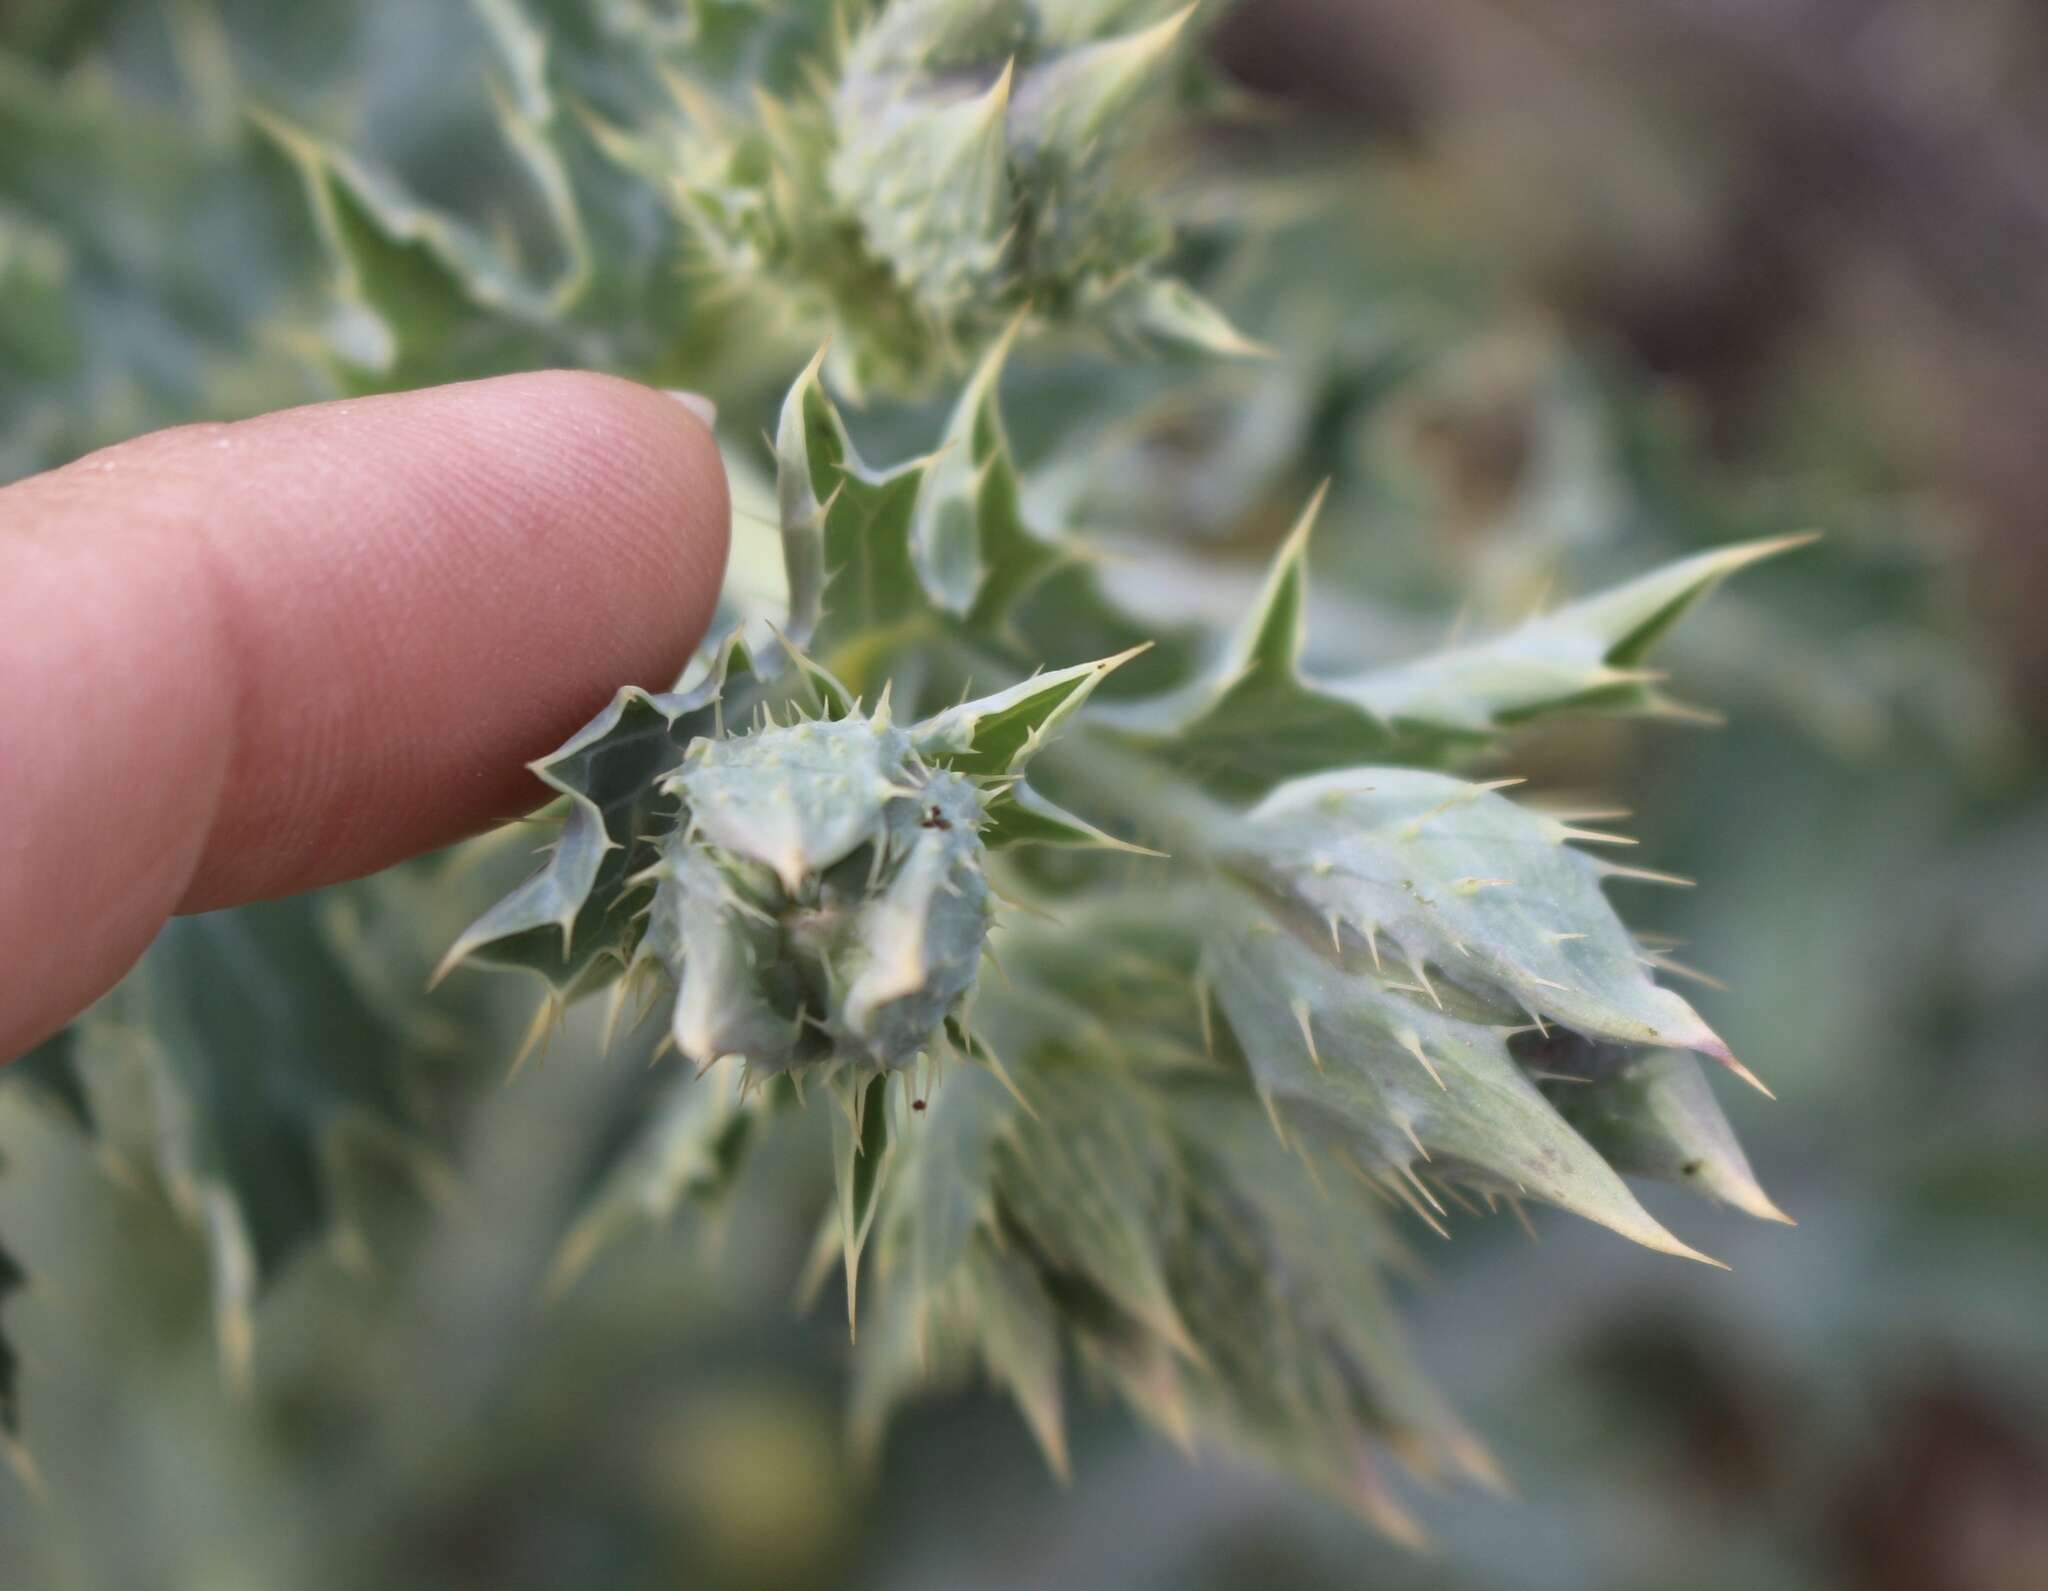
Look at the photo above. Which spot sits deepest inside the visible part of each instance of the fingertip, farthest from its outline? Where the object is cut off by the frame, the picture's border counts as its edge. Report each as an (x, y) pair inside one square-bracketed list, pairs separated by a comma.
[(632, 485), (473, 571)]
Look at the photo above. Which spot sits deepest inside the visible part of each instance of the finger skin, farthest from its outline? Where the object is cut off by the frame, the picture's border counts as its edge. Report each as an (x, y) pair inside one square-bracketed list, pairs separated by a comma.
[(242, 660)]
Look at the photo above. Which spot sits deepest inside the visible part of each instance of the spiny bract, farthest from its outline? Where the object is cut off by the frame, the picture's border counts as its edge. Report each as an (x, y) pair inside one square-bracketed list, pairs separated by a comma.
[(822, 899)]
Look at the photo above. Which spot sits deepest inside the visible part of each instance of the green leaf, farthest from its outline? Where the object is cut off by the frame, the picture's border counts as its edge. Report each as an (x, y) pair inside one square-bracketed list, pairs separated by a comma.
[(861, 1151), (1021, 816), (1171, 312), (878, 561), (1652, 1114), (1258, 719), (1452, 882), (138, 248), (1255, 720), (1451, 877), (1064, 110), (1076, 21), (276, 1062), (943, 1190), (824, 695), (717, 950), (689, 1149), (1087, 1176), (992, 1308), (1281, 1341), (910, 1346), (572, 923), (794, 798), (51, 1071), (1114, 972), (421, 295), (998, 734), (1017, 1330), (1281, 1277), (1390, 1084), (921, 937), (1587, 656), (977, 554), (845, 535)]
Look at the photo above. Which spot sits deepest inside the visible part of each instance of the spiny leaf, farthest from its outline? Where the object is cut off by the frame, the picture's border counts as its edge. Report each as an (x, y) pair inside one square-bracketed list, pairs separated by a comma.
[(1171, 312), (845, 532), (1113, 973), (816, 891), (1453, 880), (689, 1149), (1383, 1077), (1258, 719), (1330, 1241), (977, 554), (944, 1187), (860, 1164), (1075, 21), (1652, 1114), (878, 561), (1032, 597), (920, 938), (997, 734), (1017, 1326), (1065, 109), (1280, 1278), (1086, 1176), (719, 952), (1019, 815), (274, 1060), (571, 922), (940, 36), (1291, 1353), (826, 695), (992, 1308), (1585, 656), (423, 295)]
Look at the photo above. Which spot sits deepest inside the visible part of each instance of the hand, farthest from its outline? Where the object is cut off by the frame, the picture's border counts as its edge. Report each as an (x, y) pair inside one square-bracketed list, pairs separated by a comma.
[(242, 660)]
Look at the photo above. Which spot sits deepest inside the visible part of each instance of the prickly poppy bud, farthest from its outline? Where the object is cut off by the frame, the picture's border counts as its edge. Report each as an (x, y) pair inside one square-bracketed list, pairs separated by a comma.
[(826, 894)]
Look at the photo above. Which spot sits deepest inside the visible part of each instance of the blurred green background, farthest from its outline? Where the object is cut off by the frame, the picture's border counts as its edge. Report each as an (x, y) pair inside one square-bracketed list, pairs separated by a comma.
[(1557, 290)]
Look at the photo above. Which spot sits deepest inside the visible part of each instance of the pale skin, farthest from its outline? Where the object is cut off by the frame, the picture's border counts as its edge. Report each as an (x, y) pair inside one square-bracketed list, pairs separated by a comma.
[(237, 661)]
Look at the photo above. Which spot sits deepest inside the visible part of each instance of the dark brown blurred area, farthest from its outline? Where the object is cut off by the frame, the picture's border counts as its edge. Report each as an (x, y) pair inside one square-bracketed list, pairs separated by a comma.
[(1947, 1495), (1793, 208), (1953, 1497)]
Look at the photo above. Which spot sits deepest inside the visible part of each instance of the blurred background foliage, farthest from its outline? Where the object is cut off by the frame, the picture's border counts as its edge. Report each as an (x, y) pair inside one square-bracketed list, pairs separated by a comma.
[(1556, 291)]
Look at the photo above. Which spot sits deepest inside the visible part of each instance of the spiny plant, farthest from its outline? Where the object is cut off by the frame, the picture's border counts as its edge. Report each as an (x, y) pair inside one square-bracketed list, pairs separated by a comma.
[(1148, 980), (962, 163), (1294, 974)]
